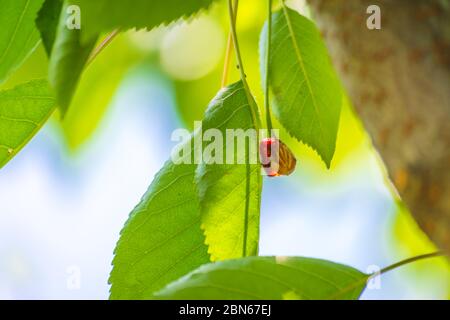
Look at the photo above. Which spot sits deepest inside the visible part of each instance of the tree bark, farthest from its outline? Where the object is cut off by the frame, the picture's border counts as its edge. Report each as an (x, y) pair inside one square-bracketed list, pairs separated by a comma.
[(398, 79)]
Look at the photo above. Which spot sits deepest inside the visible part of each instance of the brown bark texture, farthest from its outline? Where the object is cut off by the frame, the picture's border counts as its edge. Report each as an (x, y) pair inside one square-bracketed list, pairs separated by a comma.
[(398, 78)]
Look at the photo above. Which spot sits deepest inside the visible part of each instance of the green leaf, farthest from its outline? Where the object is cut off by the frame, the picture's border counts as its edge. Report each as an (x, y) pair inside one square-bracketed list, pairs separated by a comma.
[(23, 111), (47, 22), (230, 194), (106, 15), (268, 278), (18, 36), (307, 95), (67, 60), (162, 239)]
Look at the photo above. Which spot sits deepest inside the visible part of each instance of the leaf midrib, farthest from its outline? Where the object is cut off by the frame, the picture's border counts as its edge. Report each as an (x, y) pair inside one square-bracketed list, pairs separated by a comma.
[(19, 22), (37, 127), (299, 57)]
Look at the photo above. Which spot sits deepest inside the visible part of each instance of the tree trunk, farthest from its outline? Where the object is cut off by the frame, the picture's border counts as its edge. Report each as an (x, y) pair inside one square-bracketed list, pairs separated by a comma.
[(398, 79)]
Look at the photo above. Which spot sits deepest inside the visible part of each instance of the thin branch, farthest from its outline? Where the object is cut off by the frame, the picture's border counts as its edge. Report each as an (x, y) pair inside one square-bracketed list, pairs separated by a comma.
[(253, 107), (235, 41), (233, 16)]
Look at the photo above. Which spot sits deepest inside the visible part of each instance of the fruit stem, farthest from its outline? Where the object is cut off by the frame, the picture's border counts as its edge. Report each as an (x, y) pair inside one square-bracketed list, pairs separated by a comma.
[(266, 87)]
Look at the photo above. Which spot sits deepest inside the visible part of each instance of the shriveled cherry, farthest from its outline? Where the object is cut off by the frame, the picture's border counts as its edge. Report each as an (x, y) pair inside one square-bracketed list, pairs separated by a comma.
[(276, 158)]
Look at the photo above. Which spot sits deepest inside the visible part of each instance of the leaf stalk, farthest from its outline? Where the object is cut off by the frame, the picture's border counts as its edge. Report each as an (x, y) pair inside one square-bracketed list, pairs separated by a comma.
[(386, 269)]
